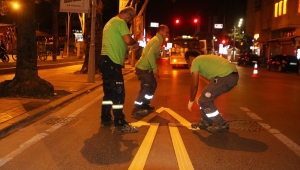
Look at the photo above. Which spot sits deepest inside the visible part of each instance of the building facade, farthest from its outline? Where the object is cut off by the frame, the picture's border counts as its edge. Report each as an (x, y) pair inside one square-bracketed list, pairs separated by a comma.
[(274, 26)]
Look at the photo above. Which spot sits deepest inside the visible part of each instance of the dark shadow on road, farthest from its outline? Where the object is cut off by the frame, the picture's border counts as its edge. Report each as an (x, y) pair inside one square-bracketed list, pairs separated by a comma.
[(108, 147), (232, 141)]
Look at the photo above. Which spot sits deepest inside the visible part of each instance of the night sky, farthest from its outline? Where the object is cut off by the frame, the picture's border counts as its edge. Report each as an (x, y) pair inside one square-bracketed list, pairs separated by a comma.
[(165, 12), (161, 11)]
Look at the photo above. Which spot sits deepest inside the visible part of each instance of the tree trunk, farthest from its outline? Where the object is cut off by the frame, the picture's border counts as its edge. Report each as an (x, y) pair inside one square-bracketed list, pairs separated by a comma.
[(26, 82), (98, 37), (56, 50)]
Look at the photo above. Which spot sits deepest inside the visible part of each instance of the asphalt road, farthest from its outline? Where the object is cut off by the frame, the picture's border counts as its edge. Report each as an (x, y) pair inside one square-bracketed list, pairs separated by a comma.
[(262, 113)]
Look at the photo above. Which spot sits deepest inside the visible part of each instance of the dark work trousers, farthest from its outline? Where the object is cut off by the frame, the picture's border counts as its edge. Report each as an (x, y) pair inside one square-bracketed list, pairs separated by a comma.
[(114, 91), (147, 87), (215, 88)]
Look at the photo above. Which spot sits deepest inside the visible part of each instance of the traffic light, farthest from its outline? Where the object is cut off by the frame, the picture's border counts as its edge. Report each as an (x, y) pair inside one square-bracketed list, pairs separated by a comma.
[(196, 20), (177, 21)]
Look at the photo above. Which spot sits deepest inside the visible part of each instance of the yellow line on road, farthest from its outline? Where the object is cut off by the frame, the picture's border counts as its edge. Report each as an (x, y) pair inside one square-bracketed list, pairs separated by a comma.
[(141, 156), (182, 156), (182, 120), (144, 121)]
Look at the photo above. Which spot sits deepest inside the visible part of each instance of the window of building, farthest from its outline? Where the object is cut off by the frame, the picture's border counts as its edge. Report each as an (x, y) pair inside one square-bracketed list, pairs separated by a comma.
[(280, 8), (284, 7), (298, 6), (276, 10)]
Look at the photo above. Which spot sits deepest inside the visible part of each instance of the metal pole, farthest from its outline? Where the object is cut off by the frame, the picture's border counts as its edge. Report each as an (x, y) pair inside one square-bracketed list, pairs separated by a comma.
[(91, 65), (68, 34), (233, 49)]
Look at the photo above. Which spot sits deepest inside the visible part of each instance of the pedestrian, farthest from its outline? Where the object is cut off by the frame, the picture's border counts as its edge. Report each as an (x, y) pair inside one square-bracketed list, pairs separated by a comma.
[(116, 38), (2, 45), (222, 76), (146, 71)]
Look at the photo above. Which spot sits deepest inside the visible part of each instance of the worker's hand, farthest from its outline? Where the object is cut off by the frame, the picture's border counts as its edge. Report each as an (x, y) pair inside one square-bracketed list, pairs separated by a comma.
[(197, 100), (190, 104), (156, 73), (135, 46)]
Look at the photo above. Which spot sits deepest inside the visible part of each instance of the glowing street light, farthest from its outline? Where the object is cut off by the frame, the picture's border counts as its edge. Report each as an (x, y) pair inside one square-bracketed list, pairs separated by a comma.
[(16, 5)]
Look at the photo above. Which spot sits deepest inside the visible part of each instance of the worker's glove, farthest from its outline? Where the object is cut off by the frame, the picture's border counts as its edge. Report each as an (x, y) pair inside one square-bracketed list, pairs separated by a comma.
[(197, 100), (190, 104)]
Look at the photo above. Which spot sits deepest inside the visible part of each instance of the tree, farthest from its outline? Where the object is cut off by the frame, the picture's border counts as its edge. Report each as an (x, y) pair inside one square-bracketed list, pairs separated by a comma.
[(26, 82), (98, 36), (238, 35)]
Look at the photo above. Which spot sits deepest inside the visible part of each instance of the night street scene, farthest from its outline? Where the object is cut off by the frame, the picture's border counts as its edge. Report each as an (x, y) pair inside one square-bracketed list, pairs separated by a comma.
[(150, 84)]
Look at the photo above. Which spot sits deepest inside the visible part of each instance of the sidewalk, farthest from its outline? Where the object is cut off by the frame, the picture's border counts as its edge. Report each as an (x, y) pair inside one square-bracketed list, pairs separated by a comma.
[(16, 112), (10, 67)]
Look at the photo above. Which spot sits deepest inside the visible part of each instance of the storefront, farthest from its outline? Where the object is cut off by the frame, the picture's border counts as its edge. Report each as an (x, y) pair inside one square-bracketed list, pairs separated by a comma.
[(8, 37)]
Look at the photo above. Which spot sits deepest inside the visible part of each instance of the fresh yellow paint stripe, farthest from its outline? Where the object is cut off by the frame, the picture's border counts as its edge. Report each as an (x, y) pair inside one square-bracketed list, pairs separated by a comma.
[(182, 156), (145, 120), (182, 120), (141, 156)]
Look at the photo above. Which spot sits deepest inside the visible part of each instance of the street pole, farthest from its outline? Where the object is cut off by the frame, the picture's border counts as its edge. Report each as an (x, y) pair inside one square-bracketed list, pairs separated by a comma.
[(91, 64), (233, 49), (68, 33)]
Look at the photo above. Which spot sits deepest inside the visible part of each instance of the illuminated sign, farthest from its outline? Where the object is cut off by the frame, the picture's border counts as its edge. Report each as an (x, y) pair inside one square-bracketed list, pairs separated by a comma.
[(154, 24), (218, 26), (298, 53)]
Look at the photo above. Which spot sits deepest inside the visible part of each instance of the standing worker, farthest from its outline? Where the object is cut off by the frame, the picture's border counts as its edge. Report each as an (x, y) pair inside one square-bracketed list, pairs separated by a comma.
[(223, 77), (116, 37), (146, 71)]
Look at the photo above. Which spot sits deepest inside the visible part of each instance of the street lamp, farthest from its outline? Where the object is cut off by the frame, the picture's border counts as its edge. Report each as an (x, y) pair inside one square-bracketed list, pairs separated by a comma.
[(16, 5), (234, 30), (213, 44)]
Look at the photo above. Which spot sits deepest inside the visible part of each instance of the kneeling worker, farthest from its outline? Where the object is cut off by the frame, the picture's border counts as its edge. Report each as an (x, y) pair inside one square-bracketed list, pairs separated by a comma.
[(222, 76)]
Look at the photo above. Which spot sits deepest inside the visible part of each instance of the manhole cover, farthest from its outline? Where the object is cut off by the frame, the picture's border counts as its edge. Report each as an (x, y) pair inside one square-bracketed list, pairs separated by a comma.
[(57, 120), (245, 125)]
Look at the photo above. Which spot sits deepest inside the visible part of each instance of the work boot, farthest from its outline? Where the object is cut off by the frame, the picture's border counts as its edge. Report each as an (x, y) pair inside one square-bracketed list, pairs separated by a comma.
[(148, 107), (218, 128), (108, 123), (126, 128), (139, 111), (202, 124)]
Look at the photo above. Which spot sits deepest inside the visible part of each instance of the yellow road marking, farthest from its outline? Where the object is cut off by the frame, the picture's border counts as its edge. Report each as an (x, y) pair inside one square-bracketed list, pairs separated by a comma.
[(141, 156), (182, 156), (144, 121), (182, 120)]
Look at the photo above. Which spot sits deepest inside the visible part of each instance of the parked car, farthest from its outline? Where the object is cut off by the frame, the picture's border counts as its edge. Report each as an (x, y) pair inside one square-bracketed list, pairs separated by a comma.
[(284, 63), (249, 59)]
